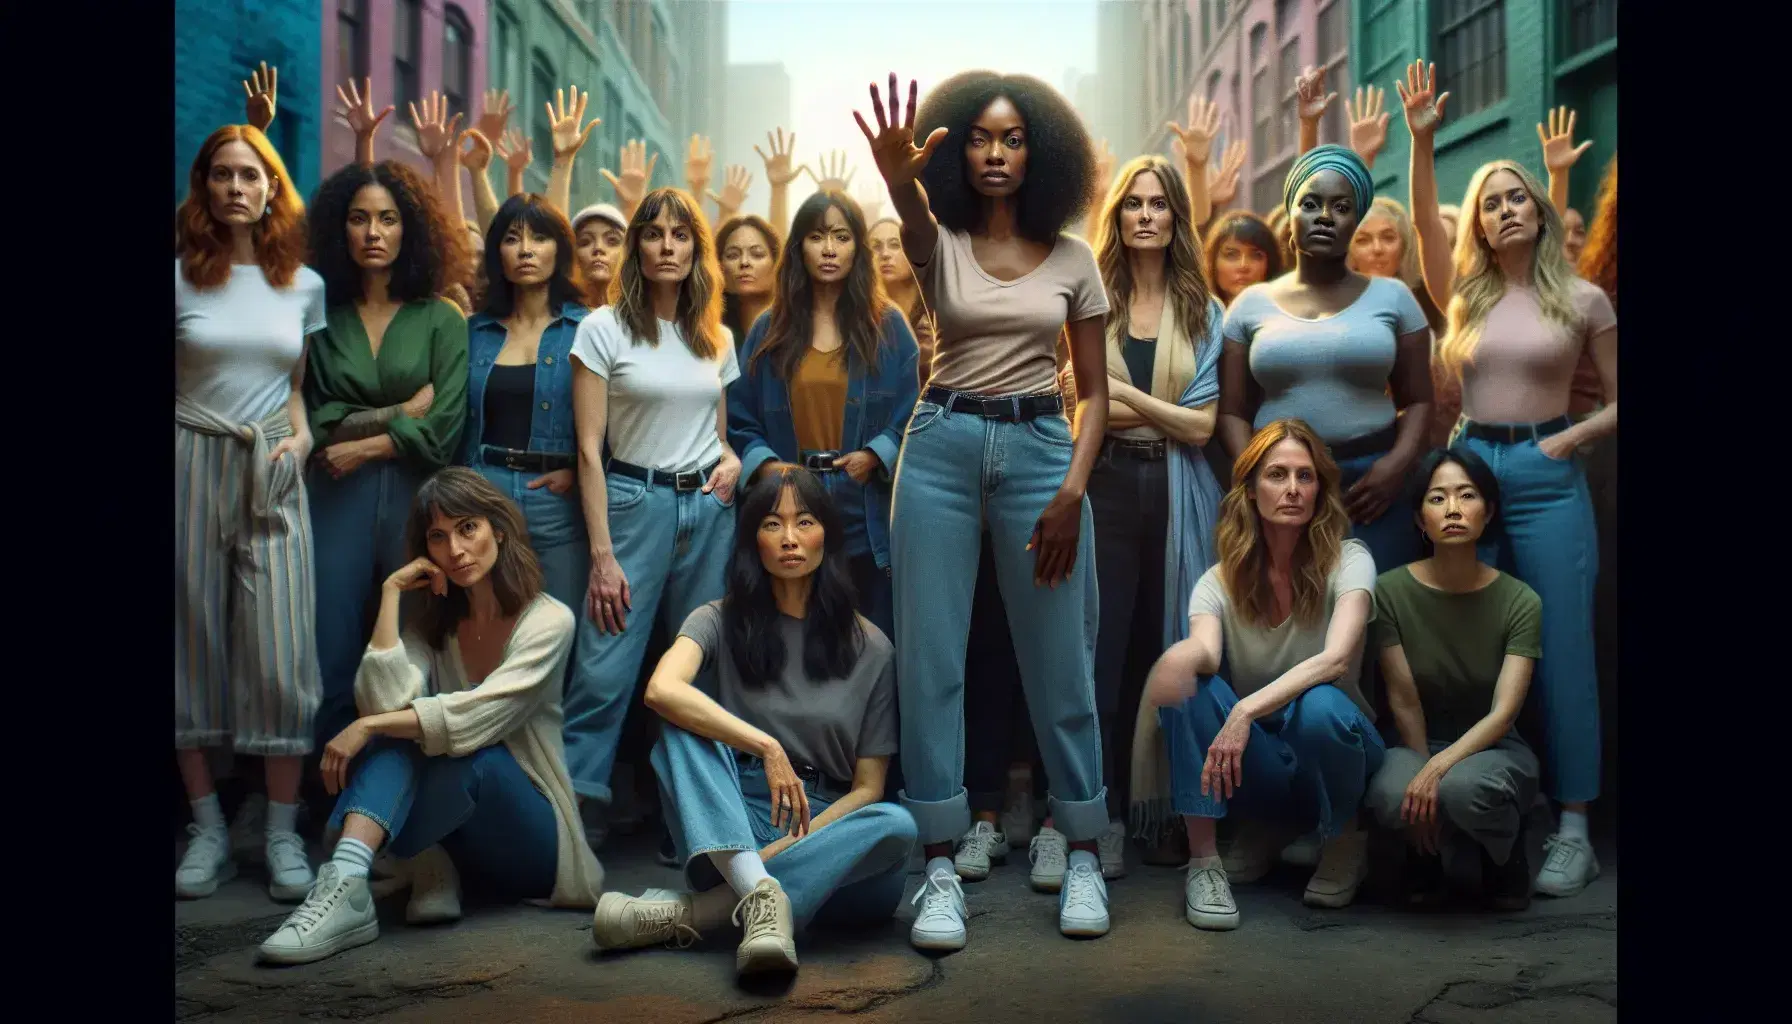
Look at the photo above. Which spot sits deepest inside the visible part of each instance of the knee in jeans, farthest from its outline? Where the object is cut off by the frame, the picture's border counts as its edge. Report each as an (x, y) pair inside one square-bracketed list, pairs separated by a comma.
[(1325, 712), (893, 820)]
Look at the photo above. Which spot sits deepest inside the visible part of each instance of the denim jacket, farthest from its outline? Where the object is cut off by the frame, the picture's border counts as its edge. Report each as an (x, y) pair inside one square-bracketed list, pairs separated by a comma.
[(550, 421), (878, 405)]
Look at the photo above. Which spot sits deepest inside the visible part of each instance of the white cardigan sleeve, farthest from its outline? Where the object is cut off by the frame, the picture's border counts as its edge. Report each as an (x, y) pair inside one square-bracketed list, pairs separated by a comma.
[(390, 679), (458, 722)]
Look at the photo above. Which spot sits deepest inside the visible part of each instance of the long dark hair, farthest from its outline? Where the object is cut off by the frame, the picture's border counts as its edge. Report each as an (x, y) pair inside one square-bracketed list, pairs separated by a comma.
[(538, 215), (833, 639), (859, 313), (699, 295), (457, 492), (430, 255), (1250, 229), (732, 313)]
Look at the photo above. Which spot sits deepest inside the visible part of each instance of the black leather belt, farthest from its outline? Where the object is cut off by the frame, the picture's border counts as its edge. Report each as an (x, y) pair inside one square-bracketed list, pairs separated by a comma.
[(1512, 433), (1013, 409), (806, 772), (691, 480), (820, 462), (525, 462), (1143, 449), (1369, 444)]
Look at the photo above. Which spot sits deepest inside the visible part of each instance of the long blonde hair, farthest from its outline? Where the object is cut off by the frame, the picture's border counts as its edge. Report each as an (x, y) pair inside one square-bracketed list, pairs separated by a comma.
[(1244, 559), (699, 313), (1185, 274), (1409, 240), (1480, 284)]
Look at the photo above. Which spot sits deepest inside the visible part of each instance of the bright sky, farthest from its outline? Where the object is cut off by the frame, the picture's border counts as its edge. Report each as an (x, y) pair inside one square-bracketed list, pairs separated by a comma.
[(833, 49)]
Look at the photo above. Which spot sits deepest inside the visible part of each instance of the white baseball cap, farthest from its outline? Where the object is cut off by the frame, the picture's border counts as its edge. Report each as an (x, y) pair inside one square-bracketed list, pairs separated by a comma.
[(603, 210)]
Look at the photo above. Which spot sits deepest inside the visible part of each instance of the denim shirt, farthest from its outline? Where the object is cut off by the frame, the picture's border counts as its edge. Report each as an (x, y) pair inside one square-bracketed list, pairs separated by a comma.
[(878, 406), (550, 421)]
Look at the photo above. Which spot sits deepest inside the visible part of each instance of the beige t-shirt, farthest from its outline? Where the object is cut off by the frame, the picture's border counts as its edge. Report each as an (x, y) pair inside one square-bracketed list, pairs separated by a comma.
[(1522, 370), (998, 337)]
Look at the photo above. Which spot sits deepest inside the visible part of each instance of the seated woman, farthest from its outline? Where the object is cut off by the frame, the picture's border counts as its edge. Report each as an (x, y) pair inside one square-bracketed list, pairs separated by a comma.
[(780, 709), (459, 739), (1458, 639), (1287, 736)]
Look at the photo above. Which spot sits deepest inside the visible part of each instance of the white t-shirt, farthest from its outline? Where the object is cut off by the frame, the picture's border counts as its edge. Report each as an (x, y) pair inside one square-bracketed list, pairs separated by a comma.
[(1256, 657), (663, 399), (235, 346)]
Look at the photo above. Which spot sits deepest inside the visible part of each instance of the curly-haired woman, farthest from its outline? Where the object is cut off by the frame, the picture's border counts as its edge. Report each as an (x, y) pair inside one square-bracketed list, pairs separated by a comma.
[(1287, 736), (386, 387), (989, 443), (245, 667)]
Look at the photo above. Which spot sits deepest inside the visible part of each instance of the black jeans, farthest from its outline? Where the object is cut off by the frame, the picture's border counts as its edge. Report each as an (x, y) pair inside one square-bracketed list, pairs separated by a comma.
[(1130, 500), (995, 710)]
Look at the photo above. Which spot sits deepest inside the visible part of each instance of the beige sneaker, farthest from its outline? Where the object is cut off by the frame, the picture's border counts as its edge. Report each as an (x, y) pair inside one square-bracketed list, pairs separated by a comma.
[(1343, 864), (1251, 853), (630, 922), (770, 941), (435, 888)]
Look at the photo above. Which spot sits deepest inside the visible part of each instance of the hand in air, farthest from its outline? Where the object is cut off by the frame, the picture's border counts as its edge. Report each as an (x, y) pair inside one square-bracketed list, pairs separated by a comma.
[(437, 133), (1368, 122), (357, 107), (1197, 136), (778, 168), (1309, 90), (564, 119), (1423, 114), (893, 147), (637, 170), (1559, 150), (263, 87)]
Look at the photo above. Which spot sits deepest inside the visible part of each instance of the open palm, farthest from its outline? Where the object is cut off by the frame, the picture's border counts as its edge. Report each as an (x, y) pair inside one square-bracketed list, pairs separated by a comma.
[(436, 131), (1559, 150), (1310, 90), (1368, 122), (1423, 113), (1197, 136), (637, 168), (564, 120), (893, 147), (779, 170)]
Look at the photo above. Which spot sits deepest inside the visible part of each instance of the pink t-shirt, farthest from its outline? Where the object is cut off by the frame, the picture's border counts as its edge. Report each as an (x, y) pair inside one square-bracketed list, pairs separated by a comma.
[(1523, 367)]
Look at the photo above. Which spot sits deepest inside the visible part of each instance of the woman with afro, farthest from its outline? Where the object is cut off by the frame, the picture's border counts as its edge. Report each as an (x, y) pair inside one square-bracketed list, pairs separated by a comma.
[(1003, 165)]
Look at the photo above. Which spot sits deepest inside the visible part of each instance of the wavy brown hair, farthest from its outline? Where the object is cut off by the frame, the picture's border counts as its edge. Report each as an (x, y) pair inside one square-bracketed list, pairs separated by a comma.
[(858, 314), (1249, 229), (204, 244), (457, 493), (1185, 272), (1243, 558), (699, 313), (1599, 260)]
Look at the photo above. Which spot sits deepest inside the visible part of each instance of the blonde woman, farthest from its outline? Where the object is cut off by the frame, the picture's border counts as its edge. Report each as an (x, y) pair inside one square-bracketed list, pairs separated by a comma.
[(1287, 735), (1519, 321)]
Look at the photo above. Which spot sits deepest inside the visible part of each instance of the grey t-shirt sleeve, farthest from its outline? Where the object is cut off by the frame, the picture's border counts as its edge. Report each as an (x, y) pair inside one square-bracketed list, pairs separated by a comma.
[(704, 627), (1241, 320), (1355, 571), (877, 734), (1209, 597)]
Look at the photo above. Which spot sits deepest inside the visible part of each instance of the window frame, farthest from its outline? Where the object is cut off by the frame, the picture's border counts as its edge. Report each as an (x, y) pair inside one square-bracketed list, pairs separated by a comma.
[(407, 70), (1334, 127), (455, 20), (1475, 84), (541, 131), (351, 31)]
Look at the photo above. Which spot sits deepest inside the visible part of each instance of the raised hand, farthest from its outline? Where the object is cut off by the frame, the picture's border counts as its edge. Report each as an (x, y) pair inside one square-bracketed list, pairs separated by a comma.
[(733, 196), (1222, 181), (479, 157), (637, 170), (263, 87), (835, 175), (1197, 136), (1368, 122), (893, 147), (1423, 114), (1104, 164), (1559, 150), (1310, 89), (698, 160), (357, 107), (515, 150), (437, 133), (494, 114), (778, 168), (564, 120)]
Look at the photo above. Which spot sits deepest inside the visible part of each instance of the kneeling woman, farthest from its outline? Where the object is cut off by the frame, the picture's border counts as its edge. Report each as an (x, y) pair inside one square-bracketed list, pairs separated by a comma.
[(1458, 640), (1287, 737), (459, 739), (772, 766)]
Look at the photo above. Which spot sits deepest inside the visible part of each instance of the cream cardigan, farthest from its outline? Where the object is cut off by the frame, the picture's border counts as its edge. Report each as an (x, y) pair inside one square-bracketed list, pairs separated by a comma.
[(518, 705)]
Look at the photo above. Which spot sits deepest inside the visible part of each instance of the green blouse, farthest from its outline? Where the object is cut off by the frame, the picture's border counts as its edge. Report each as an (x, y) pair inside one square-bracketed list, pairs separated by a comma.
[(426, 343)]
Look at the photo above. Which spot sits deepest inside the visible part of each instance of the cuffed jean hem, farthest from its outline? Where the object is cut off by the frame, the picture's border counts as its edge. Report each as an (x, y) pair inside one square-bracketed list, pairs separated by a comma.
[(253, 748), (939, 821), (336, 819), (1081, 820)]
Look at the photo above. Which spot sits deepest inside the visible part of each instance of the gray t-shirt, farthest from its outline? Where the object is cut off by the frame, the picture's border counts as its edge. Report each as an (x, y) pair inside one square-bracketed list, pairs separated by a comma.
[(1331, 372), (828, 723), (1256, 657)]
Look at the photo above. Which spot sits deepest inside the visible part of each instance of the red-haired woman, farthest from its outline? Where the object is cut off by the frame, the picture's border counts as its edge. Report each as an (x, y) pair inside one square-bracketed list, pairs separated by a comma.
[(245, 662)]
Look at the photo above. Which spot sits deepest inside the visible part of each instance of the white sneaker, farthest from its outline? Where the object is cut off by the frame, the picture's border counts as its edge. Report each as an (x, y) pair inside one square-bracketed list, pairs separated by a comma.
[(1343, 864), (337, 915), (940, 922), (1049, 852), (1083, 902), (976, 849), (1568, 866), (1303, 852), (248, 833), (289, 869), (1207, 897), (435, 888), (629, 922), (1247, 857), (768, 944), (206, 865), (1111, 845)]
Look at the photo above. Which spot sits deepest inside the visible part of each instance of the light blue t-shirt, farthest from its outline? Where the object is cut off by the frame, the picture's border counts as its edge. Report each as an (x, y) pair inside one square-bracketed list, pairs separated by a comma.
[(1333, 372)]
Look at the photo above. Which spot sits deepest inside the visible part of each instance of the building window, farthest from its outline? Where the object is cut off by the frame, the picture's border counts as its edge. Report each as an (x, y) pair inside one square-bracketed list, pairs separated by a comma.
[(503, 73), (457, 59), (655, 71), (1287, 78), (1471, 52), (1206, 26), (1587, 23), (1262, 103), (407, 50), (612, 124), (1332, 46), (1186, 66), (542, 131), (1284, 15), (1213, 86), (351, 40)]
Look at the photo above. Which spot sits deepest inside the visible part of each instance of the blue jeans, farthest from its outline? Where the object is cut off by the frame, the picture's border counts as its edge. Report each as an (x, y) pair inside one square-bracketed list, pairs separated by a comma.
[(1548, 540), (673, 547), (850, 872), (1308, 763), (957, 470), (358, 530), (1394, 539), (481, 808)]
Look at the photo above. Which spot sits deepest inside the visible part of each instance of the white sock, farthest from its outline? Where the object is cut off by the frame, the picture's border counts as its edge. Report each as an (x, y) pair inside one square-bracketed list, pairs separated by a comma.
[(353, 858), (207, 812), (742, 868), (1084, 857), (283, 817), (1574, 824), (941, 864)]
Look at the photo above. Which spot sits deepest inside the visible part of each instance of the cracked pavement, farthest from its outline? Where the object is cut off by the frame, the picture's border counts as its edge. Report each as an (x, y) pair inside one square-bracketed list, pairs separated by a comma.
[(1286, 963)]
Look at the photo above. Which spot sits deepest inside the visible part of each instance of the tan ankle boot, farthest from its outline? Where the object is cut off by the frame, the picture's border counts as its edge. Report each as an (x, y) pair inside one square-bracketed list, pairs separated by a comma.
[(770, 941)]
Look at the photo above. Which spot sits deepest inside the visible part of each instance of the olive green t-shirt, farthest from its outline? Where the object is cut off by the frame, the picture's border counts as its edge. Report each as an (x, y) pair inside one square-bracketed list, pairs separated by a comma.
[(1456, 643)]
